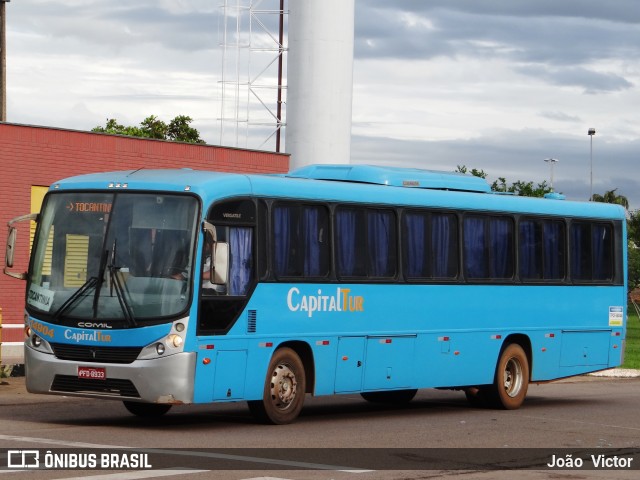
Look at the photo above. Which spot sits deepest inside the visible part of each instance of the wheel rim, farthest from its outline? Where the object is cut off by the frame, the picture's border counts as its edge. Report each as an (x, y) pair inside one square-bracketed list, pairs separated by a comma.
[(283, 387), (513, 377)]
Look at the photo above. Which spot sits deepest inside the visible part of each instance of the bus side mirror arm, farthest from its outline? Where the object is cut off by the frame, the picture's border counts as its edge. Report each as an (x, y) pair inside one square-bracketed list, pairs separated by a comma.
[(11, 245)]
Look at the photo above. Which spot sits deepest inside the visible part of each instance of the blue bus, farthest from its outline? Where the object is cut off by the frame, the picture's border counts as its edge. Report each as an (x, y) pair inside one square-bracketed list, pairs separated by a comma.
[(164, 287)]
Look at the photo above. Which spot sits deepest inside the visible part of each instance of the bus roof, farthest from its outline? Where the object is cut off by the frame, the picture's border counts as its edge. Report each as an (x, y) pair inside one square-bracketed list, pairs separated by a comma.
[(396, 177), (345, 183)]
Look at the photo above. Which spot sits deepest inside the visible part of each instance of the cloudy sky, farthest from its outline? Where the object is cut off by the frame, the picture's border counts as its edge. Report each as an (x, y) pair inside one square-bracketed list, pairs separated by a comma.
[(497, 85)]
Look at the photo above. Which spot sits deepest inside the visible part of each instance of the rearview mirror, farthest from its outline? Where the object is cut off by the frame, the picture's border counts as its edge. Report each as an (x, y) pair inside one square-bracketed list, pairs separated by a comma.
[(11, 245), (12, 238), (220, 264)]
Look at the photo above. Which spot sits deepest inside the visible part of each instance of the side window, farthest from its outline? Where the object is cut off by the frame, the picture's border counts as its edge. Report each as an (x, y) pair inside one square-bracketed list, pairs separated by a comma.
[(488, 247), (241, 261), (366, 242), (430, 245), (541, 249), (221, 305), (591, 252), (301, 246)]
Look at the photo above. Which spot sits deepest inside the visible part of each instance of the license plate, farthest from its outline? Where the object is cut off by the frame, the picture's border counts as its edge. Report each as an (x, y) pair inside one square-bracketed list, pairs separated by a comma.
[(92, 373)]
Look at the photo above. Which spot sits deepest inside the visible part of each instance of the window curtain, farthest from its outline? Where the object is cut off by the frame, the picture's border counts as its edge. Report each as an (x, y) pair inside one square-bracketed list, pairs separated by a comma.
[(580, 252), (441, 246), (500, 231), (346, 234), (529, 260), (311, 241), (415, 228), (282, 239), (379, 226), (600, 241), (474, 248), (241, 261), (553, 244)]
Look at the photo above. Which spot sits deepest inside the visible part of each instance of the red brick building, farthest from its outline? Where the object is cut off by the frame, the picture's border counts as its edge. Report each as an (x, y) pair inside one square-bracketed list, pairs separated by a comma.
[(33, 158)]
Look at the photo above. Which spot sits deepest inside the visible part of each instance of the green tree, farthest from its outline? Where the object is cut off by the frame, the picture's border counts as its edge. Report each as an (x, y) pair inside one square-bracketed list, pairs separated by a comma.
[(523, 189), (610, 196), (475, 172), (177, 130), (633, 227), (633, 265)]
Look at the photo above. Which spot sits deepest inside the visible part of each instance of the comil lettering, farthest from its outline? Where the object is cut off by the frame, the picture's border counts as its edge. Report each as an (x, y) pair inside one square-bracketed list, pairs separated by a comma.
[(341, 301)]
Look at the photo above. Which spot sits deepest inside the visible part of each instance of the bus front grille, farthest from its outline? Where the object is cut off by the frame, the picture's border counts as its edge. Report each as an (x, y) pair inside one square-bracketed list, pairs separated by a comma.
[(110, 386), (85, 353)]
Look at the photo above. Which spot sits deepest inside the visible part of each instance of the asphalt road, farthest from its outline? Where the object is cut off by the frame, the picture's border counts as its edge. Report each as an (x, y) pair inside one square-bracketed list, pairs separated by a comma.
[(438, 435)]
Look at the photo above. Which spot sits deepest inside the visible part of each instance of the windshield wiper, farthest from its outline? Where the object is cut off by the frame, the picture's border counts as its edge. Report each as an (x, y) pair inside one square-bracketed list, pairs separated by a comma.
[(116, 284), (91, 283), (100, 281)]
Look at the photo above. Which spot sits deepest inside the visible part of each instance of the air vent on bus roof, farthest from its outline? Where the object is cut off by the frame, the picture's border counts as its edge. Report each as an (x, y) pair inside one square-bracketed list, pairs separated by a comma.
[(395, 177)]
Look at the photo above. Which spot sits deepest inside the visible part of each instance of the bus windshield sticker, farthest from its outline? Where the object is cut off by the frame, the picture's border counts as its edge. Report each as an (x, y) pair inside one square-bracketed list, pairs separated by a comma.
[(41, 298), (615, 316)]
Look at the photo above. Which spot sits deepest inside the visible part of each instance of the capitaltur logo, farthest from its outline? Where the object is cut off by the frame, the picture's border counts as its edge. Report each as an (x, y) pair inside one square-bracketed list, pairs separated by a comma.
[(23, 459), (341, 301)]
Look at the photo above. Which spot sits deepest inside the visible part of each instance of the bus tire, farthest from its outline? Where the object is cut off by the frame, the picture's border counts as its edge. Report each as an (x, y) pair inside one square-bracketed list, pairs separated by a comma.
[(511, 379), (284, 389), (147, 410), (393, 397)]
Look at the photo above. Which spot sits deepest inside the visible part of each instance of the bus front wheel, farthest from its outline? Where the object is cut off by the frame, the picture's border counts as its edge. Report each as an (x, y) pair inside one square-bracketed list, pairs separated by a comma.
[(511, 379), (284, 389), (148, 410)]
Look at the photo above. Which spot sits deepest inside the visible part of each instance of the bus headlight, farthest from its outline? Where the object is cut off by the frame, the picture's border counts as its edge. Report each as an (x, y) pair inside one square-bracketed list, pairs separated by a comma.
[(175, 341)]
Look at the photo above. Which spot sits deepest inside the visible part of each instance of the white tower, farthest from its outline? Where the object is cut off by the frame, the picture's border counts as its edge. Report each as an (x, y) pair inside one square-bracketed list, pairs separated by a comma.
[(319, 81)]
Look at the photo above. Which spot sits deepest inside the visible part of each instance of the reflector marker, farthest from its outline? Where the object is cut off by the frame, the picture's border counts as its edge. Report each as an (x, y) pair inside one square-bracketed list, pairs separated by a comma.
[(266, 344), (386, 340), (207, 347), (496, 337), (615, 334), (322, 342), (443, 339), (549, 335)]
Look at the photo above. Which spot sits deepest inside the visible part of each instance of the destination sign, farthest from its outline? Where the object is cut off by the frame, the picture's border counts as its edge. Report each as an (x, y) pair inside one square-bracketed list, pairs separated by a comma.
[(89, 207)]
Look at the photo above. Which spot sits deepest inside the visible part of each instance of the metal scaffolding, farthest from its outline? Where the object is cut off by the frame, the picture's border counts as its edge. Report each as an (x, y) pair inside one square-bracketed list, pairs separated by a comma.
[(252, 38)]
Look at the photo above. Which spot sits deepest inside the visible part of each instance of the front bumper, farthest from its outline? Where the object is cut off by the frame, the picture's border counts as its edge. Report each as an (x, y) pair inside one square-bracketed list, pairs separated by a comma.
[(161, 380)]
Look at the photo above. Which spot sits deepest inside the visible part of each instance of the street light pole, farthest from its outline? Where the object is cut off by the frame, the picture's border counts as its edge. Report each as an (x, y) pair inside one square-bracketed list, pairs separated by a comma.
[(3, 61), (551, 162), (591, 133)]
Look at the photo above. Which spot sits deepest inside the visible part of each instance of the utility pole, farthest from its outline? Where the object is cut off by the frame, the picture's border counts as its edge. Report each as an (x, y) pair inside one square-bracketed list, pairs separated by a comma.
[(3, 61), (591, 132)]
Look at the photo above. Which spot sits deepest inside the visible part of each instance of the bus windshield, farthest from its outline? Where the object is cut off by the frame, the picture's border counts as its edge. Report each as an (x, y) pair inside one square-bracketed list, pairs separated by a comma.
[(123, 257)]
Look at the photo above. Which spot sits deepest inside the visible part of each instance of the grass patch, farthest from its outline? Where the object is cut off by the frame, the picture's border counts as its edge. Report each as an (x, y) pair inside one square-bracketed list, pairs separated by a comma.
[(632, 351)]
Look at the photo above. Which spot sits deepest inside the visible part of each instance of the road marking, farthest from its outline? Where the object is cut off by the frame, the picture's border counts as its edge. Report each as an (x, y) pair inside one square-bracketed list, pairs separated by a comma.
[(137, 475), (190, 453)]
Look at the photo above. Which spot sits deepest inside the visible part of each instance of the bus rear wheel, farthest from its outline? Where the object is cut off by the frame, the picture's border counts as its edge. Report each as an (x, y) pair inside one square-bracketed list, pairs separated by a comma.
[(284, 389), (147, 410), (512, 378)]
